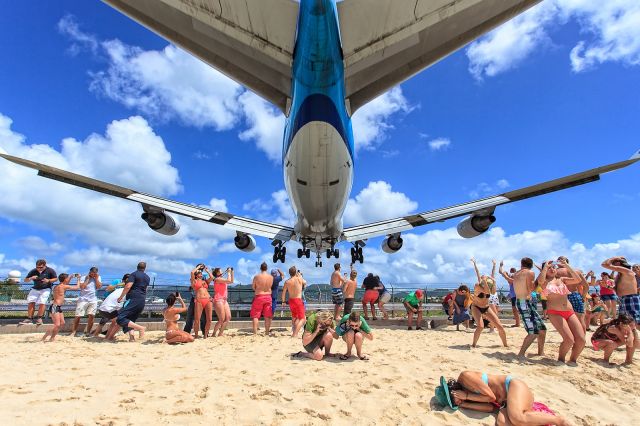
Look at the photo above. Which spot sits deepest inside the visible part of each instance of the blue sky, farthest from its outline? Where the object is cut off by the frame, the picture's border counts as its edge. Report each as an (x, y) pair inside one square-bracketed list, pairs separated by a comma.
[(551, 93)]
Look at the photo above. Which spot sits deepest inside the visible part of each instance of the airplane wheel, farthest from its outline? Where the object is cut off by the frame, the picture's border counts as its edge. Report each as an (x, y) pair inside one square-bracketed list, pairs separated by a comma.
[(307, 254), (320, 264), (336, 253), (353, 254), (329, 253), (275, 257), (300, 253)]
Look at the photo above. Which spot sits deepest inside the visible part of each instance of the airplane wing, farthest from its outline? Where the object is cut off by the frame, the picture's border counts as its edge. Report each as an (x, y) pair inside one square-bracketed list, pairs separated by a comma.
[(385, 42), (483, 206), (236, 223), (251, 41)]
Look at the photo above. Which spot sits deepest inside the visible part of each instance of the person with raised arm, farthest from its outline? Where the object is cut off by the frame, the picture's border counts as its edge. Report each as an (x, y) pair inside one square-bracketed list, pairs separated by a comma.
[(512, 293), (221, 299), (318, 335), (560, 311), (626, 286), (607, 293), (293, 286), (55, 309), (579, 292), (171, 314), (87, 301), (261, 305), (337, 294), (481, 308), (350, 291), (523, 282), (353, 329), (200, 288)]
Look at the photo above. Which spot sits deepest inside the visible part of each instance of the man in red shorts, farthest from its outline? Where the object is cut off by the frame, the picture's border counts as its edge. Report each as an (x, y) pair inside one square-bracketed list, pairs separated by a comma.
[(261, 305), (294, 286)]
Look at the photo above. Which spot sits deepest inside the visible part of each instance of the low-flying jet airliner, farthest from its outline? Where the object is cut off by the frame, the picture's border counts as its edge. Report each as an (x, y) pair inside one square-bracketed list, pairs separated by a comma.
[(319, 61)]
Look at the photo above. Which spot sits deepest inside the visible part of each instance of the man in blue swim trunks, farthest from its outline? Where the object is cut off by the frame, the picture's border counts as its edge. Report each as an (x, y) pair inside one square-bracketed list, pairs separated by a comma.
[(626, 287), (337, 296), (134, 294)]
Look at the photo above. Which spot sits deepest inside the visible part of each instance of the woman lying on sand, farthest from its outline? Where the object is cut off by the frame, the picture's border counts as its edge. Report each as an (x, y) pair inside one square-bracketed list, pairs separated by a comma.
[(511, 397)]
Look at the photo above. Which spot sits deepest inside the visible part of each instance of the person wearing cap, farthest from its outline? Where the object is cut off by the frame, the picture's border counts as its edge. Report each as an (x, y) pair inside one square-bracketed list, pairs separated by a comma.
[(413, 303), (488, 393), (278, 276)]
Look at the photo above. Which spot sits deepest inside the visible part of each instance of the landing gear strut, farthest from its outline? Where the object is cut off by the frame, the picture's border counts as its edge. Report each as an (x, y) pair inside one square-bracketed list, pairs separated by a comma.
[(279, 251), (319, 261), (356, 253)]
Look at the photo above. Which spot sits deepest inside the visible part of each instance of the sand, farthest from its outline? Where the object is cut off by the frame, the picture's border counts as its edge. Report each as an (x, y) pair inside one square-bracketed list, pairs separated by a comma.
[(245, 379)]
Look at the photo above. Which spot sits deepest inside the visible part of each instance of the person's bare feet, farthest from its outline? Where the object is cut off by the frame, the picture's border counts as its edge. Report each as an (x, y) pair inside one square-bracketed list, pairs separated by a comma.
[(141, 333)]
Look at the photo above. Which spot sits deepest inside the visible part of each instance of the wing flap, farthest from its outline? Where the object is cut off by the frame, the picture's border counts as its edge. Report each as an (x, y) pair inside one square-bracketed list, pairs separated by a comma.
[(392, 226), (386, 42), (251, 41), (236, 223)]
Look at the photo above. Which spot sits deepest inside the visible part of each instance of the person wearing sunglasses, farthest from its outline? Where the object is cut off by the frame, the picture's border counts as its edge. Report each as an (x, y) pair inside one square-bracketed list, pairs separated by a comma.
[(43, 278)]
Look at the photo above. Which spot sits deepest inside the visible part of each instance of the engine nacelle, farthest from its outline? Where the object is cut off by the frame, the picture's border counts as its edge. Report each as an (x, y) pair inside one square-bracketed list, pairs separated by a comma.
[(475, 225), (161, 222), (392, 244), (245, 242)]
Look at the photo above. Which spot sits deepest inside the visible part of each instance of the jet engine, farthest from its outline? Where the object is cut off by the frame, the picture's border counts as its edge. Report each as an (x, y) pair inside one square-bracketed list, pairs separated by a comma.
[(475, 225), (244, 242), (392, 243), (161, 222)]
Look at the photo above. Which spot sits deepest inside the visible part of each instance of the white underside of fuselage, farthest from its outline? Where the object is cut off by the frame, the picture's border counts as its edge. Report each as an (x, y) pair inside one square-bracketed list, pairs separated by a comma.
[(318, 173)]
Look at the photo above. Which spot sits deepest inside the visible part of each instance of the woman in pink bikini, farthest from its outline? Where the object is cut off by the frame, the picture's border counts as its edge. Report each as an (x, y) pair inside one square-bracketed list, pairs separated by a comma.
[(203, 300), (220, 303), (561, 314)]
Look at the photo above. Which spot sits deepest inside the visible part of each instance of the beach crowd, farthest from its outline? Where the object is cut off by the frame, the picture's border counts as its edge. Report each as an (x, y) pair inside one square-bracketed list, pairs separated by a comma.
[(562, 290)]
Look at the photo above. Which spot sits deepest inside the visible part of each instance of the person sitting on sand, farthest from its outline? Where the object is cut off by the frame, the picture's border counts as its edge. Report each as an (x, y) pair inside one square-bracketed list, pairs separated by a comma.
[(481, 307), (353, 329), (413, 304), (318, 334), (171, 316), (616, 333), (293, 286), (460, 307), (560, 311), (55, 309), (488, 393)]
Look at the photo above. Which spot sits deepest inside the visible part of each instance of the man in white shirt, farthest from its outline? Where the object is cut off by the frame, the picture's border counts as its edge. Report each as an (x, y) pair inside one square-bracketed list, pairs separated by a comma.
[(109, 308), (87, 301)]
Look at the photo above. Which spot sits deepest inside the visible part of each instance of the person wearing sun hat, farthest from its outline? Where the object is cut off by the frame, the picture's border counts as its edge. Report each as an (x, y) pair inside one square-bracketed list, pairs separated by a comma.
[(413, 303)]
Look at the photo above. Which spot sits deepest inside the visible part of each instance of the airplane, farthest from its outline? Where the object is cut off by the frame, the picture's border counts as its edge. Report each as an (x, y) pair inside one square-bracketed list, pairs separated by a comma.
[(319, 61)]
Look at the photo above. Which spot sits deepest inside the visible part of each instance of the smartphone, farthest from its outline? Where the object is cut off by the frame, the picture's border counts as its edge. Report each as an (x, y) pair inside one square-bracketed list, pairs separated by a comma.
[(177, 294)]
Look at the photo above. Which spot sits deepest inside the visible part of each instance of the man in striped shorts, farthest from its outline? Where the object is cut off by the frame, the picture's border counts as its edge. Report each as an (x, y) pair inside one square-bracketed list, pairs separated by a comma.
[(523, 285)]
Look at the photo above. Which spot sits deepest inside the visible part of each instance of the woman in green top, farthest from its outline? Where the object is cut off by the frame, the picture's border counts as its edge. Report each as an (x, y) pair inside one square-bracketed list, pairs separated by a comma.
[(353, 328), (318, 335)]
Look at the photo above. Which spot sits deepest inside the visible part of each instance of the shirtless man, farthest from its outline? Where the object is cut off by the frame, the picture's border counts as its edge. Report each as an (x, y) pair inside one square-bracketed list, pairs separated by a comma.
[(337, 296), (350, 291), (512, 294), (55, 309), (294, 286), (523, 282), (261, 304), (636, 269), (578, 296), (626, 286)]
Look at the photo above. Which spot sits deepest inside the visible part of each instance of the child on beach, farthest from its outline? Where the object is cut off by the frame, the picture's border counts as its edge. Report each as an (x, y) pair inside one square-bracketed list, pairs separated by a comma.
[(55, 309), (618, 332)]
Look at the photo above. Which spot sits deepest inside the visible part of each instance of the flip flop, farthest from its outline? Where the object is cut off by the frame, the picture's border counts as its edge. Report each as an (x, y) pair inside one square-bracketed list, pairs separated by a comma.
[(364, 358), (344, 357)]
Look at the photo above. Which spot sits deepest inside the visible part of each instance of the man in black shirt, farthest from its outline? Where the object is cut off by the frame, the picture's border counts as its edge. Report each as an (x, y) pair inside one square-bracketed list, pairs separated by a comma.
[(135, 293), (43, 277)]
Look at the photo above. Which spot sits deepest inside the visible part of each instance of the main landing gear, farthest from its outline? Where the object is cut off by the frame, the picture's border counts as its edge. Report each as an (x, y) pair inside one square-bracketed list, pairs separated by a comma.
[(279, 251), (304, 252), (356, 253), (333, 252)]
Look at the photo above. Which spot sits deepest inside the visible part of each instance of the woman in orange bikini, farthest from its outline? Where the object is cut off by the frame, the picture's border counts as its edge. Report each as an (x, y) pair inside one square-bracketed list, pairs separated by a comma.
[(171, 315), (480, 307), (559, 308), (220, 303), (203, 300)]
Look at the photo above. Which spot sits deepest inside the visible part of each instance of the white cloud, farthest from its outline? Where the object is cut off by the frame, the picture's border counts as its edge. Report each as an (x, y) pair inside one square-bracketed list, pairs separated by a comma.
[(376, 202), (483, 189), (276, 209), (439, 144), (266, 125), (614, 27), (372, 122), (96, 220), (68, 26), (35, 244)]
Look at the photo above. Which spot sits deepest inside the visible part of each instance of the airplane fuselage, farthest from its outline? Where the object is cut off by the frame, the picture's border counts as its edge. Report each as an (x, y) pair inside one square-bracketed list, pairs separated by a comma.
[(318, 148)]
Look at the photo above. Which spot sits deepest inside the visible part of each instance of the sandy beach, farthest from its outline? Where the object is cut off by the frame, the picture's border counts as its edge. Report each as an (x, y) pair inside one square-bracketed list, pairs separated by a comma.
[(245, 379)]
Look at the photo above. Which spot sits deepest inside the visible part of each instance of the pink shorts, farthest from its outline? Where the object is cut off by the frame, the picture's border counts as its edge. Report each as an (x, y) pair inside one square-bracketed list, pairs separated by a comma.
[(297, 308), (370, 296), (261, 306)]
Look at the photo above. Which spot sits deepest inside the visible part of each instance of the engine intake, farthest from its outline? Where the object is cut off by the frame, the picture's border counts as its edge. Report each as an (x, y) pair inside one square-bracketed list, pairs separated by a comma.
[(392, 244), (160, 222), (245, 242), (475, 225)]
